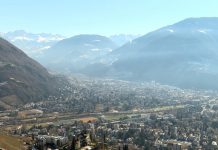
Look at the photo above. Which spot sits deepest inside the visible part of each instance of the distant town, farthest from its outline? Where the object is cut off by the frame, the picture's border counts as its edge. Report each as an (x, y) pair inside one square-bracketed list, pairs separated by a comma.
[(114, 114)]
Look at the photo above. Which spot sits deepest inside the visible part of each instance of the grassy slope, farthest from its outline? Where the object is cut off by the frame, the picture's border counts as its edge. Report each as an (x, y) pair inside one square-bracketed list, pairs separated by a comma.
[(10, 143)]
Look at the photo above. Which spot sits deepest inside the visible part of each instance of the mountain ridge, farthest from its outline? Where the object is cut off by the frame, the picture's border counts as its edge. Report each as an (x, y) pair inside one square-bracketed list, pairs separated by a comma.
[(22, 78), (74, 53), (175, 55)]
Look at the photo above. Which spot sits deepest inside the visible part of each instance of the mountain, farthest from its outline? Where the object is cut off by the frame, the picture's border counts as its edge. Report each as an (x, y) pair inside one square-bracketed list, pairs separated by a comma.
[(76, 52), (183, 54), (21, 78), (32, 44), (121, 39)]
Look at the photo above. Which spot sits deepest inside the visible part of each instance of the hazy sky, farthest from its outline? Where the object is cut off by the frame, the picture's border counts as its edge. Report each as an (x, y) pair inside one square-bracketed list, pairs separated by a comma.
[(106, 17)]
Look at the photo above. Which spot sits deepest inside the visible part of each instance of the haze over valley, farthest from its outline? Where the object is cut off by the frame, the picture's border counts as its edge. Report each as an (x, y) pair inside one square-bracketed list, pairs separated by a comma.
[(183, 54), (108, 75)]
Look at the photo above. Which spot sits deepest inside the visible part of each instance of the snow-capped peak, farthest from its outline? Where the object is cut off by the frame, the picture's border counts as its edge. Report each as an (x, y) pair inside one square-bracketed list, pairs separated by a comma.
[(31, 43), (21, 38)]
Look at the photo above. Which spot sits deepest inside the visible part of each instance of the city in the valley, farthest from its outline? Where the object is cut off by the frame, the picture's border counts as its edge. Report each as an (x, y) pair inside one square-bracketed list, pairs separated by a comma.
[(115, 114)]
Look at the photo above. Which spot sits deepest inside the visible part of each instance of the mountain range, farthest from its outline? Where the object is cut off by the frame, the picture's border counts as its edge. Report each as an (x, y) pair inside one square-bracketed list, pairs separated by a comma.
[(75, 53), (183, 54), (32, 44), (35, 44)]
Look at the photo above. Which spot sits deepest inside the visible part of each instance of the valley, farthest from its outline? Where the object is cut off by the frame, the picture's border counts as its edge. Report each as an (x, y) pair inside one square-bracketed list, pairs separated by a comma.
[(138, 92), (106, 104)]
